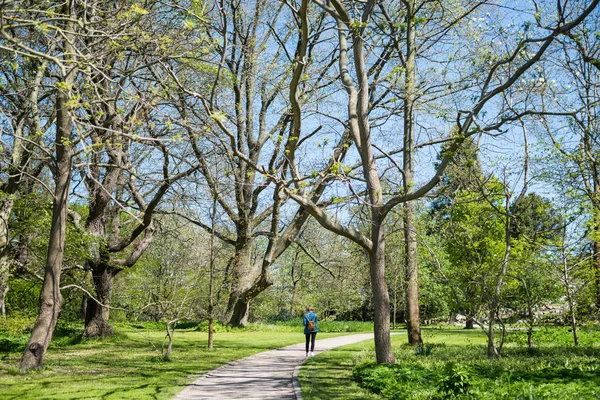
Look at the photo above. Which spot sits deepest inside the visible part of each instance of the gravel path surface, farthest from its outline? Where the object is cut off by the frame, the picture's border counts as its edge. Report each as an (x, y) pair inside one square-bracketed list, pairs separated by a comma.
[(267, 375)]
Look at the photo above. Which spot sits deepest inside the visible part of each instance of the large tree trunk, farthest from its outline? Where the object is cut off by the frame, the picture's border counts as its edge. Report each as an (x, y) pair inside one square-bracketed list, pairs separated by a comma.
[(410, 230), (413, 322), (50, 296), (381, 299), (470, 323), (6, 204), (248, 280), (239, 301), (242, 277), (96, 317)]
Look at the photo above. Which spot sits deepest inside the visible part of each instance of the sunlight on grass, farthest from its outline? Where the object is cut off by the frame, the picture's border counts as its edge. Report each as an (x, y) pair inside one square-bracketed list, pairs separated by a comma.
[(129, 367), (453, 361)]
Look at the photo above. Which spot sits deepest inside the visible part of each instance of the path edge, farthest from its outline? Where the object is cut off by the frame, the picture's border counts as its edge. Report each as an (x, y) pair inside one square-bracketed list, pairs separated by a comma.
[(296, 382)]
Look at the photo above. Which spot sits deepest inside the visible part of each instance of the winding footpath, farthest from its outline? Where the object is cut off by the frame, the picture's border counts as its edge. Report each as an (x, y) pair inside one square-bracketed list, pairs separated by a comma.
[(268, 375)]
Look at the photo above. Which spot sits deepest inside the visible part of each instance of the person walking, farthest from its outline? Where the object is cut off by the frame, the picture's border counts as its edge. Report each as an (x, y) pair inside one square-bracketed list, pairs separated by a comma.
[(311, 328)]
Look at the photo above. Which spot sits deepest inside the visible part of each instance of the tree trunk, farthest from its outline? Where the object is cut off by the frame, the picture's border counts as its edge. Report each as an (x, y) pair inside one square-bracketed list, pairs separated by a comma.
[(492, 352), (469, 323), (83, 309), (241, 278), (50, 296), (530, 344), (410, 229), (395, 312), (574, 324), (5, 210), (597, 261), (239, 306), (247, 281), (4, 277), (572, 313), (381, 299), (294, 296), (3, 293), (97, 315), (413, 322)]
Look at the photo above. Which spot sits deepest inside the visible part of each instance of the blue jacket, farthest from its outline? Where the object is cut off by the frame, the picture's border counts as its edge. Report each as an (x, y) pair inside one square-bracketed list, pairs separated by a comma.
[(313, 317)]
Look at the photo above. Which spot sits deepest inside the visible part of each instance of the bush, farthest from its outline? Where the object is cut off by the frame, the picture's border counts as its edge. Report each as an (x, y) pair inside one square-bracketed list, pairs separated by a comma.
[(383, 379), (17, 324), (424, 349), (455, 381)]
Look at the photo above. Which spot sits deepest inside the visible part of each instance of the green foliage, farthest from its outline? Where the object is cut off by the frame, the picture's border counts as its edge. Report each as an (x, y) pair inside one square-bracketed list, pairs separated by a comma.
[(22, 297), (423, 349), (455, 381), (16, 324), (535, 219), (379, 378)]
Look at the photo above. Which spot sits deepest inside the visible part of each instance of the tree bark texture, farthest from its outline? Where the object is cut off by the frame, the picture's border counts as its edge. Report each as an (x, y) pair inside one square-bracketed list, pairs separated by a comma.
[(596, 259), (410, 229), (50, 296), (383, 346), (6, 205), (97, 315), (413, 323)]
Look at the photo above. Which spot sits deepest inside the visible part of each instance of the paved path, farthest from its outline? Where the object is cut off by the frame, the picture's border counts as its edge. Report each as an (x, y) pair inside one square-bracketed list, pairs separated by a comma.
[(267, 375)]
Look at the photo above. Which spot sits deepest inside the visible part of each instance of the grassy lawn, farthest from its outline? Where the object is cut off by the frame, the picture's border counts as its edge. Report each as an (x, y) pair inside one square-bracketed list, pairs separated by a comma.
[(329, 375), (453, 361), (128, 366)]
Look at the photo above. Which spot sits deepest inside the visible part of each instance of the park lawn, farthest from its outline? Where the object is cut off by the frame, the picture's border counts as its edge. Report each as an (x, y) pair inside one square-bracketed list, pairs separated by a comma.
[(554, 370), (128, 366)]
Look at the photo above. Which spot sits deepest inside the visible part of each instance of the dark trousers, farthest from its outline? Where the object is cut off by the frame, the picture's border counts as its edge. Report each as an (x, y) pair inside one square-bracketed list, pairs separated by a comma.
[(310, 337)]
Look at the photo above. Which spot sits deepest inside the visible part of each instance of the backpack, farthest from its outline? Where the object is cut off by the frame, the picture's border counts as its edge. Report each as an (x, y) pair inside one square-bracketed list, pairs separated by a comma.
[(311, 324)]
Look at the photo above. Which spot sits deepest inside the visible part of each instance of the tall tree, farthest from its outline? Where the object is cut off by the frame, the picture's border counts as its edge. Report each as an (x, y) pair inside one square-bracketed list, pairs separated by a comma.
[(494, 79), (50, 296), (237, 119), (570, 96)]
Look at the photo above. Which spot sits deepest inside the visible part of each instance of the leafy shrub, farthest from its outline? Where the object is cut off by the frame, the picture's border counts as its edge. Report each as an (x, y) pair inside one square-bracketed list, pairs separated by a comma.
[(17, 324), (455, 381), (424, 349), (13, 343)]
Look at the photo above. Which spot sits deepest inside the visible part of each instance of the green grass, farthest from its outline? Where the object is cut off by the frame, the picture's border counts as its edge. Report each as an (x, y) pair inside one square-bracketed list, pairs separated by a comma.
[(455, 358), (329, 375), (127, 366)]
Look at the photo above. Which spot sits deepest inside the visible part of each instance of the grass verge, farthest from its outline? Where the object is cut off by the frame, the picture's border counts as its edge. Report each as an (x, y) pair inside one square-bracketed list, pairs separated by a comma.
[(452, 365)]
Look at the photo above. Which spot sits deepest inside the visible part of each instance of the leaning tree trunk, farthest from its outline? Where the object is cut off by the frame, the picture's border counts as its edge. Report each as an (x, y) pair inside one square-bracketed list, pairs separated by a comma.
[(50, 296), (239, 301), (96, 316)]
